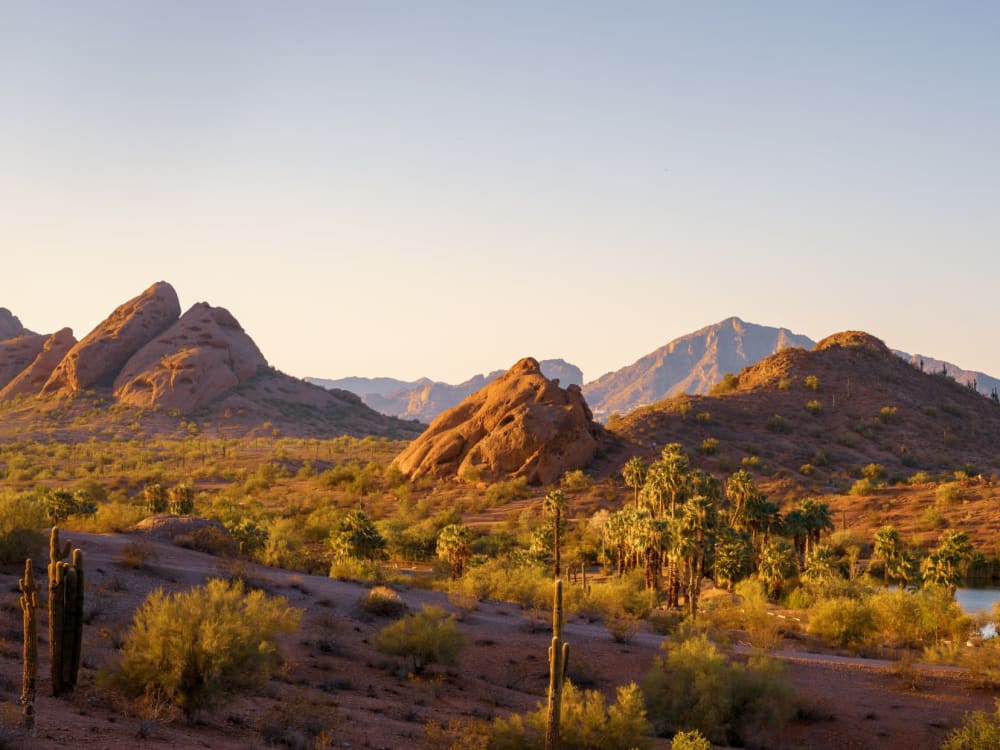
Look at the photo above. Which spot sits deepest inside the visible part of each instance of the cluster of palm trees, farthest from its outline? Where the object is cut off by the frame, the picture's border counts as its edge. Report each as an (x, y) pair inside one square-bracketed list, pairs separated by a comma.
[(946, 565), (683, 523)]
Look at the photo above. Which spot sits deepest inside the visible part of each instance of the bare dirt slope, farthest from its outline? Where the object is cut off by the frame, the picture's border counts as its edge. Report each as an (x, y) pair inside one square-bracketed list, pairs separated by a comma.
[(334, 680)]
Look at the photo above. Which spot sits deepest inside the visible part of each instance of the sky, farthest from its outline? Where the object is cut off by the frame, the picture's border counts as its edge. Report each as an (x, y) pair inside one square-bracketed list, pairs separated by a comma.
[(438, 189)]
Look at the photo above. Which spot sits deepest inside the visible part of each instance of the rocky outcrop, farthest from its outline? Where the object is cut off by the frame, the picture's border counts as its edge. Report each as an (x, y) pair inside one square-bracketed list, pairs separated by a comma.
[(197, 359), (425, 399), (32, 377), (520, 425), (97, 359), (10, 326), (17, 353)]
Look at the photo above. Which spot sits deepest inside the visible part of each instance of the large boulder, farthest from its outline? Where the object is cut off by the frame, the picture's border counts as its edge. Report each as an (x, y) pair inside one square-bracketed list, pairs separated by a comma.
[(197, 359), (37, 372), (520, 425), (97, 359)]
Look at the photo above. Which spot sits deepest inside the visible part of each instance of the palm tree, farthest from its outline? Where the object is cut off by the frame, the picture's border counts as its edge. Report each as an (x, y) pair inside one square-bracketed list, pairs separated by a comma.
[(887, 548), (817, 518), (697, 525), (948, 564), (777, 562), (454, 544), (821, 565), (554, 505), (634, 474), (733, 556), (740, 489), (355, 536)]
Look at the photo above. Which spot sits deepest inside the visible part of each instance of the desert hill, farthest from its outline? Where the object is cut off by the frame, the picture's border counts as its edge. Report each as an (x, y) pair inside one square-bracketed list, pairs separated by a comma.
[(425, 399), (520, 425), (817, 417), (689, 364), (150, 367)]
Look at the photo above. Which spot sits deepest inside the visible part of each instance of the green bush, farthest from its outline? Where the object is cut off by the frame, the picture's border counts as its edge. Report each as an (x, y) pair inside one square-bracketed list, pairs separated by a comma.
[(979, 731), (814, 407), (949, 493), (696, 688), (199, 648), (842, 620), (426, 637), (576, 480), (382, 601), (729, 383), (710, 446), (586, 723), (694, 740), (812, 382), (21, 519)]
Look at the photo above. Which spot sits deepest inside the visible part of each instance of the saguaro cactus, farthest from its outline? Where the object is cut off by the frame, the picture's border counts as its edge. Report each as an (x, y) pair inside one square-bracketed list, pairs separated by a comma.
[(558, 658), (65, 614), (29, 678)]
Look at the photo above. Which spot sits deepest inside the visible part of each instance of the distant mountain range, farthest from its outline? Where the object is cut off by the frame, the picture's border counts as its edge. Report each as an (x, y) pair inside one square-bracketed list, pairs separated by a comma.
[(425, 399), (690, 364)]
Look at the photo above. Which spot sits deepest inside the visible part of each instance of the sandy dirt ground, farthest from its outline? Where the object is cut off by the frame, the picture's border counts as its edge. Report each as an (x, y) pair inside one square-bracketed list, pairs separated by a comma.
[(336, 691)]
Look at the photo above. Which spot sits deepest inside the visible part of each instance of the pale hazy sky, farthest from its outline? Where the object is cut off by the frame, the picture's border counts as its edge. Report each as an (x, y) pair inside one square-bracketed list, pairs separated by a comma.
[(440, 188)]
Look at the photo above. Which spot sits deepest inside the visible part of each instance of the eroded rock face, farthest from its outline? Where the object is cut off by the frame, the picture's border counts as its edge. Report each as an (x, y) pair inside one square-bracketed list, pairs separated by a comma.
[(100, 355), (198, 358), (10, 326), (17, 353), (36, 373), (520, 425)]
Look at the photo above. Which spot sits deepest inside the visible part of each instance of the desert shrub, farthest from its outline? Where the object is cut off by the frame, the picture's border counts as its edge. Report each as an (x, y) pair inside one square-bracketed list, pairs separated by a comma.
[(979, 731), (710, 446), (776, 423), (200, 648), (382, 601), (285, 545), (696, 688), (842, 620), (807, 470), (21, 518), (576, 480), (110, 518), (948, 493), (693, 740), (501, 493), (429, 636), (587, 722), (863, 486), (931, 519), (814, 407), (136, 554), (873, 471), (729, 383), (705, 417), (812, 382), (887, 414), (211, 539)]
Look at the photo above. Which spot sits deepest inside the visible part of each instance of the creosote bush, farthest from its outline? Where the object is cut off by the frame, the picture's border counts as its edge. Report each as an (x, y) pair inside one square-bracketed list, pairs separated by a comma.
[(587, 723), (426, 637), (200, 648), (695, 687)]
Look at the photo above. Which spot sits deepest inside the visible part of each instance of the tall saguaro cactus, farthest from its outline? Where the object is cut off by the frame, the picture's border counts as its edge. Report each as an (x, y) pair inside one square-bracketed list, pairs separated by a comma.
[(558, 658), (29, 678), (65, 614)]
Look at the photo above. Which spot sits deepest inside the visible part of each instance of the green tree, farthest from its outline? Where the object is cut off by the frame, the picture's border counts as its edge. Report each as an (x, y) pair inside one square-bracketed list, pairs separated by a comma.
[(355, 537), (776, 564), (199, 648), (155, 498), (181, 500), (454, 545), (948, 564), (634, 474), (429, 636), (887, 548)]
